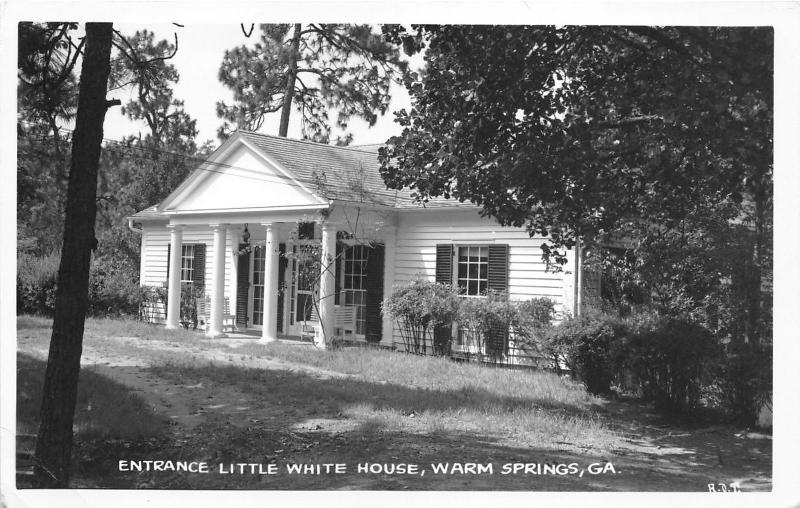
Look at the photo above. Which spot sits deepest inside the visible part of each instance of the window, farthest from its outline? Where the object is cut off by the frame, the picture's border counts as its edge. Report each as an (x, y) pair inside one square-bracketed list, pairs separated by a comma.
[(305, 231), (187, 263), (354, 275), (259, 262), (472, 275)]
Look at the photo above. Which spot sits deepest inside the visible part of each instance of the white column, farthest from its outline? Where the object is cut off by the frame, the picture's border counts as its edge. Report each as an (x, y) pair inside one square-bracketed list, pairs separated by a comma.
[(174, 278), (218, 280), (390, 245), (269, 330), (327, 284), (578, 278), (233, 259)]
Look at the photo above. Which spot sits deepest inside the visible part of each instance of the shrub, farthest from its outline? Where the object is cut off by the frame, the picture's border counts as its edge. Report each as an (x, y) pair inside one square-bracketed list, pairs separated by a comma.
[(190, 293), (587, 346), (154, 303), (745, 383), (114, 289), (484, 323), (531, 320), (36, 283), (418, 308), (673, 358)]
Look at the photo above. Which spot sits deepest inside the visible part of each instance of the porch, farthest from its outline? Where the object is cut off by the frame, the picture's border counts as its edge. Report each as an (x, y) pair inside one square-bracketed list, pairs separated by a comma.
[(282, 280)]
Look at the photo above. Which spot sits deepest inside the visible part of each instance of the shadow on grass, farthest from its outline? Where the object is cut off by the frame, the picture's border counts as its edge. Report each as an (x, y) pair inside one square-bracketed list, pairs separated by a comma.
[(352, 421), (108, 417), (340, 394), (384, 432)]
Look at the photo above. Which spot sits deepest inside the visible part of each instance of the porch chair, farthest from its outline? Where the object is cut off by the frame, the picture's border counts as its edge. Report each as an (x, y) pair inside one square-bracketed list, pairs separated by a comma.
[(203, 312), (344, 322), (345, 319), (228, 319), (307, 329)]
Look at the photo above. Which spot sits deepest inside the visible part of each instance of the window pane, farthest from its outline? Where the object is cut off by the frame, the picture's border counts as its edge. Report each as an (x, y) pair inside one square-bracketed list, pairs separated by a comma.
[(484, 269), (472, 287)]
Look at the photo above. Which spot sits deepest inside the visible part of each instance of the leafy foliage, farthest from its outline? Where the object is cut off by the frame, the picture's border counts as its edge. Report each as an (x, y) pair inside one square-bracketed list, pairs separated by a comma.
[(586, 346), (134, 174), (418, 308), (146, 68), (46, 57), (674, 359), (658, 140), (317, 68)]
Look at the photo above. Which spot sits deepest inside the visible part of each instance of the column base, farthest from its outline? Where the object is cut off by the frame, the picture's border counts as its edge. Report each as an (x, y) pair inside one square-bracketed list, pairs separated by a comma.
[(267, 340), (216, 335), (172, 327)]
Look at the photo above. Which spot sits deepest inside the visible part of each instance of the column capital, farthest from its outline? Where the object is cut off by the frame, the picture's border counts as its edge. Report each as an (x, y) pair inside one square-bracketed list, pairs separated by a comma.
[(175, 227), (328, 225), (218, 225)]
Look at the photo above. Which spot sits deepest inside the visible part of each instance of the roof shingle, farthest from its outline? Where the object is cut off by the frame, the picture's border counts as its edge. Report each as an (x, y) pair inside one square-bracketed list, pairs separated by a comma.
[(333, 172)]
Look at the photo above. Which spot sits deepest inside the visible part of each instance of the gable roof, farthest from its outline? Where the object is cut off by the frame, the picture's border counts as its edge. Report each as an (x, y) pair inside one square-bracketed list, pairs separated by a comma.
[(335, 172), (343, 173)]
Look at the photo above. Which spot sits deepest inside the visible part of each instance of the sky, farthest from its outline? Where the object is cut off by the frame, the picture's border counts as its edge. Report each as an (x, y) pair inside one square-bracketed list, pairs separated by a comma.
[(200, 51)]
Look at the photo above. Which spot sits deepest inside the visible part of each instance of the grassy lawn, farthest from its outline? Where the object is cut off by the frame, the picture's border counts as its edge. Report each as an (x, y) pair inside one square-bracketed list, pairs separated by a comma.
[(176, 395)]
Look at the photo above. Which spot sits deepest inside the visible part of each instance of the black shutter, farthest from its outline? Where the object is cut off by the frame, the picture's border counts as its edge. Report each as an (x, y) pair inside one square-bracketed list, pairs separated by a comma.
[(282, 263), (443, 334), (166, 298), (498, 268), (497, 334), (372, 312), (444, 263), (199, 263), (242, 286), (336, 271)]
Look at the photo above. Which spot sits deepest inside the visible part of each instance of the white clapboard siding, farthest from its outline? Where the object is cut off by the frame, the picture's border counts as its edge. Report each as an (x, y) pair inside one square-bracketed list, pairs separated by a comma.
[(154, 256), (419, 232)]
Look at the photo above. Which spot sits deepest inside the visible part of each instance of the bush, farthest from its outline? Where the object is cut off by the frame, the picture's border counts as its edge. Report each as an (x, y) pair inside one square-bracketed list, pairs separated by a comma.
[(587, 345), (113, 290), (485, 323), (154, 304), (36, 283), (745, 384), (674, 360), (419, 307)]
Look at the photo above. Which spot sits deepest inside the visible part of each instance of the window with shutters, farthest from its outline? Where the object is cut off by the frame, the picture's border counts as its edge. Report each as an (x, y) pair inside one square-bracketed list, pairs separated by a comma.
[(353, 276), (472, 271), (187, 263)]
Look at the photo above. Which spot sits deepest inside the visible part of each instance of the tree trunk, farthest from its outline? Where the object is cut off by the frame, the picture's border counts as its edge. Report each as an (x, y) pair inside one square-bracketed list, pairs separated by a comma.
[(290, 81), (54, 443)]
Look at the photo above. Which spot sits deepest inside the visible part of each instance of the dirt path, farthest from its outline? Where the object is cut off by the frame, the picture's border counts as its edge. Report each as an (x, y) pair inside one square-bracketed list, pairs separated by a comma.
[(222, 424)]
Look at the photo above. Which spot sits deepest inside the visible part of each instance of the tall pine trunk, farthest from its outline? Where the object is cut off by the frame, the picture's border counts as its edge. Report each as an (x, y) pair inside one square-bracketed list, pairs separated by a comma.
[(290, 82), (54, 443)]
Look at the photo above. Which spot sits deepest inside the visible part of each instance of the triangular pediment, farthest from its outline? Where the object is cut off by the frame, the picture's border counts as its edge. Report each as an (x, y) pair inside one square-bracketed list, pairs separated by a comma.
[(239, 177)]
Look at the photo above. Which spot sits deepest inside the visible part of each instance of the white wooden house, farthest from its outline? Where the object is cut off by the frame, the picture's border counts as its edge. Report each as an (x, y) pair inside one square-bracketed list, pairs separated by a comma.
[(288, 194)]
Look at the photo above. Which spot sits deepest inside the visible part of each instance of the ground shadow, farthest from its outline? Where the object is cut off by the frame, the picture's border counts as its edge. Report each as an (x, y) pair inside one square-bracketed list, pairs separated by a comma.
[(290, 417)]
